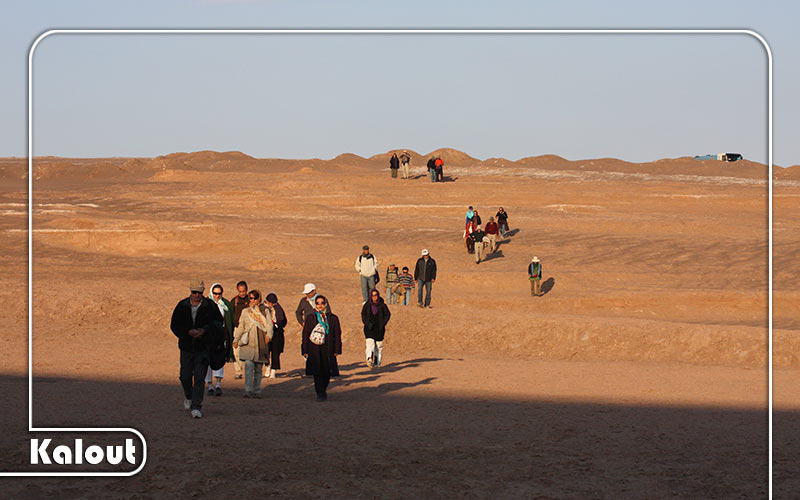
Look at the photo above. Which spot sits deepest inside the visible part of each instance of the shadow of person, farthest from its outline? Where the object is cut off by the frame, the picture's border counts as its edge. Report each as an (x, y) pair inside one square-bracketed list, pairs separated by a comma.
[(548, 285), (512, 232), (383, 388), (447, 178), (495, 255)]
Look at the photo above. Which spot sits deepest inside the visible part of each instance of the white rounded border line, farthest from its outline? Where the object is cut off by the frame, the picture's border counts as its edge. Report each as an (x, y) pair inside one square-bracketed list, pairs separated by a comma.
[(44, 35)]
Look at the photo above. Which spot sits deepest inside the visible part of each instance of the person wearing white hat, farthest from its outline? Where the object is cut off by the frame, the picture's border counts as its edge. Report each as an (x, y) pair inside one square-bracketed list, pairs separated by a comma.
[(307, 305), (535, 276), (425, 275)]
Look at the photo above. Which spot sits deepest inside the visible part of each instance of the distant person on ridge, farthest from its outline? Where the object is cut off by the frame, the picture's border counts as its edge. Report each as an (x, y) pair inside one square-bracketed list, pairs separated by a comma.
[(491, 233), (405, 159), (432, 168), (197, 323), (535, 276), (439, 164), (394, 165), (367, 268), (502, 221), (425, 276)]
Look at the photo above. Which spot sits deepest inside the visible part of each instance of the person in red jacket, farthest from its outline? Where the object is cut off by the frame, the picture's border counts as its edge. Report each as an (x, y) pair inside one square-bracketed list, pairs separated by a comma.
[(439, 163), (491, 231)]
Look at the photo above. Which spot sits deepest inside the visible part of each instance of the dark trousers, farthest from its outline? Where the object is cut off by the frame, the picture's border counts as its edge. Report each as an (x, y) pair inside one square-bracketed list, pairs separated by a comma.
[(321, 384), (427, 286), (194, 366)]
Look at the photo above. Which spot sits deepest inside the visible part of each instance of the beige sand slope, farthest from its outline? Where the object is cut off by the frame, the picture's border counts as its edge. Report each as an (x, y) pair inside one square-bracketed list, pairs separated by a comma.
[(640, 373)]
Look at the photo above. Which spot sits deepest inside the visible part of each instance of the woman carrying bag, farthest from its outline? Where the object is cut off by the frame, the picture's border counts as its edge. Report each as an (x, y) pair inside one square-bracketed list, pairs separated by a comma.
[(252, 337)]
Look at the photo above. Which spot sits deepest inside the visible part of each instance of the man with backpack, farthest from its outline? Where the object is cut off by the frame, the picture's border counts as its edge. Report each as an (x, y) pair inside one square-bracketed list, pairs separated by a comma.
[(367, 267), (405, 159)]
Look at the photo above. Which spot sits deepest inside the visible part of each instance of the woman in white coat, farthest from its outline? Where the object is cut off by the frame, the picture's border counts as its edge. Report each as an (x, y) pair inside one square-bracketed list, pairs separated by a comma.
[(251, 337)]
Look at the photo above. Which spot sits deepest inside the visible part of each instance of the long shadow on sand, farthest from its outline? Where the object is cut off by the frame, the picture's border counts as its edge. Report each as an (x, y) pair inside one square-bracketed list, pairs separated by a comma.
[(410, 443), (494, 255), (548, 285)]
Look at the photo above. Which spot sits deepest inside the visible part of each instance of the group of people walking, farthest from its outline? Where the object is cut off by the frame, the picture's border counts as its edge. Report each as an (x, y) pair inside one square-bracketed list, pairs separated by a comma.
[(248, 330), (435, 166), (479, 240)]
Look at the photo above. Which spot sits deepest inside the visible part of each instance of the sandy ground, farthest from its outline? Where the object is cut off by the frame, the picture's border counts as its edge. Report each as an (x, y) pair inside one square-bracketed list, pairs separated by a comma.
[(641, 373)]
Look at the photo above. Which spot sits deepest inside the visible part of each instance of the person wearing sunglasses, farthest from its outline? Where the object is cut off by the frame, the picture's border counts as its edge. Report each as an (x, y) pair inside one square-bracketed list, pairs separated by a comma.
[(252, 337), (322, 343), (198, 325), (226, 310)]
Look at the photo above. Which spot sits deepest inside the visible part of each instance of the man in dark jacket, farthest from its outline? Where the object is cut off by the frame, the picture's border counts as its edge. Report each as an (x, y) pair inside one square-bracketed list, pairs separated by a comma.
[(197, 323), (240, 302), (432, 169), (306, 305), (480, 249), (425, 275)]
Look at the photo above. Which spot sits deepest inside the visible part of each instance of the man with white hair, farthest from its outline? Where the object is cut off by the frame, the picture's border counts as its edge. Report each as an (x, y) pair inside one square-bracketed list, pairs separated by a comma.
[(307, 305), (425, 275)]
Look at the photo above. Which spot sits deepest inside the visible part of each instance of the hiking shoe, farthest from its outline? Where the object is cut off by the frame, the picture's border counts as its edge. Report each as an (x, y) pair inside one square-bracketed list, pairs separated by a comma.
[(255, 395), (210, 391), (187, 404), (238, 376), (218, 391), (247, 395), (196, 414)]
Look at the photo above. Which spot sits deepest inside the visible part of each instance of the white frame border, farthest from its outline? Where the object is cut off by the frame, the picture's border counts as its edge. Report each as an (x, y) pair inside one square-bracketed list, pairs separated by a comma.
[(44, 35)]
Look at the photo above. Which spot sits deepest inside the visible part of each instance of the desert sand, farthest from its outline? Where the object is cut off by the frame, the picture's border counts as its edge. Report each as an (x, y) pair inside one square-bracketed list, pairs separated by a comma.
[(641, 373)]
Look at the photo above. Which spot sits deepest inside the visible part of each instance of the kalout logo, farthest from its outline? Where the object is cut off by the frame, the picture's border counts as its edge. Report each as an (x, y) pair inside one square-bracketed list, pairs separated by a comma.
[(41, 453)]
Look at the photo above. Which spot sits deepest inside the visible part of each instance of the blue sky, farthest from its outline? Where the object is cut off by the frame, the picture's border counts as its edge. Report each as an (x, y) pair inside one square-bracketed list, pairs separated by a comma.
[(635, 97)]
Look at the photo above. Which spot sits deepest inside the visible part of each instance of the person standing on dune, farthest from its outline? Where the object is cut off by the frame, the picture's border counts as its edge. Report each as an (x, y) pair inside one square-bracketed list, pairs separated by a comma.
[(394, 165), (439, 164), (405, 159)]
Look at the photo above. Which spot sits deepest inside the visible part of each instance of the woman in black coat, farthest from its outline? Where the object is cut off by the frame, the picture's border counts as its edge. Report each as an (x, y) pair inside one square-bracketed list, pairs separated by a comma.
[(278, 324), (322, 342), (375, 314)]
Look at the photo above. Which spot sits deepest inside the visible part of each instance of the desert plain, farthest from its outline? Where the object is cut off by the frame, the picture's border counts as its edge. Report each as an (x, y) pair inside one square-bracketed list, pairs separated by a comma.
[(642, 372)]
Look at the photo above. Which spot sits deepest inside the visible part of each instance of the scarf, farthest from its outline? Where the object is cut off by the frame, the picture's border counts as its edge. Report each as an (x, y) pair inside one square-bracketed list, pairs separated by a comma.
[(323, 323), (223, 308)]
